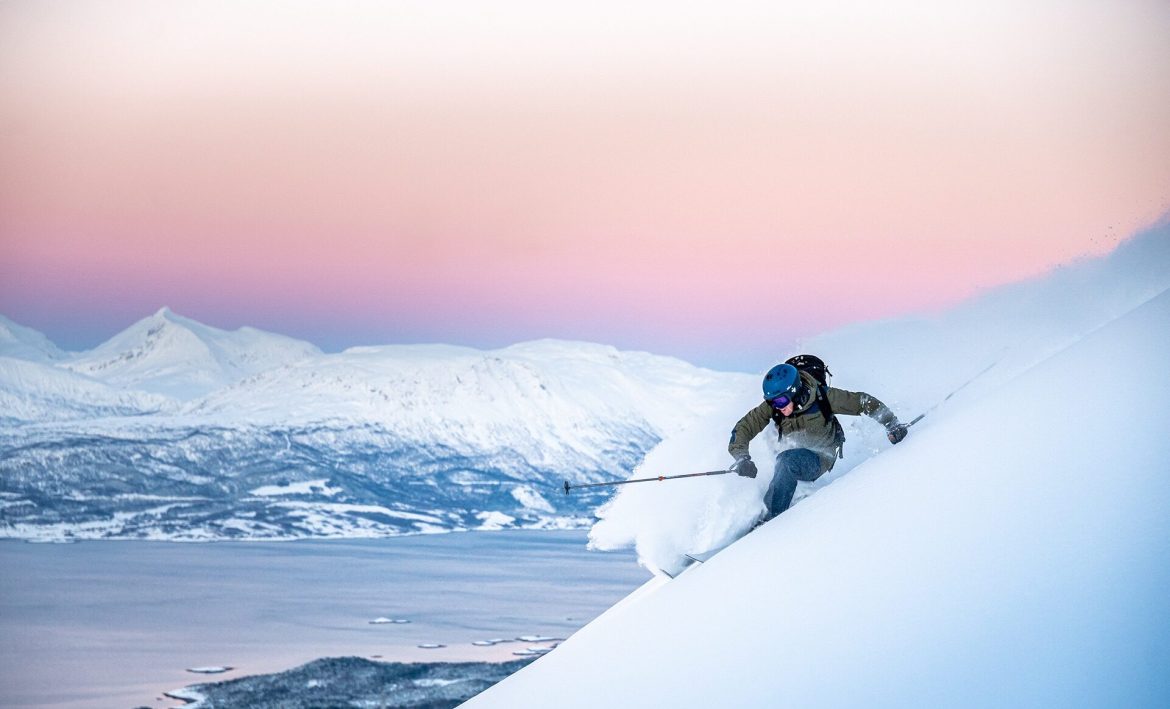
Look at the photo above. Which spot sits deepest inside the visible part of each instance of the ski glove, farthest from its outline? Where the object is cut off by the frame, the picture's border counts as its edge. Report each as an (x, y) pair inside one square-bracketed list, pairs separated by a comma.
[(897, 432), (744, 467)]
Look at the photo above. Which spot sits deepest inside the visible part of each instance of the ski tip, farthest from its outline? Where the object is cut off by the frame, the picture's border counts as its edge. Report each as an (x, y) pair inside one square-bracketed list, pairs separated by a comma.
[(677, 569), (566, 487)]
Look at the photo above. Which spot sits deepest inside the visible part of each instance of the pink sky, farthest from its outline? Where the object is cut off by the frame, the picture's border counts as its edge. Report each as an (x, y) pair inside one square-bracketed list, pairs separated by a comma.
[(706, 180)]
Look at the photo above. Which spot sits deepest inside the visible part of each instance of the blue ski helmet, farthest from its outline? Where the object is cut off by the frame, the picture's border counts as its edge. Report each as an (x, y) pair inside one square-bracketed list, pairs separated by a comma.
[(781, 380)]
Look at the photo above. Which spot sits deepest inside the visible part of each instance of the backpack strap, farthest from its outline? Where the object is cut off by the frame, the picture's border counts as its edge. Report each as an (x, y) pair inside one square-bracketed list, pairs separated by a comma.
[(823, 403), (831, 419)]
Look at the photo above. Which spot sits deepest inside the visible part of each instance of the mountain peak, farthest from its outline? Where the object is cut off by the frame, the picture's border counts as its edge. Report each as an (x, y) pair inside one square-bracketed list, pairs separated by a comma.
[(167, 353), (165, 315)]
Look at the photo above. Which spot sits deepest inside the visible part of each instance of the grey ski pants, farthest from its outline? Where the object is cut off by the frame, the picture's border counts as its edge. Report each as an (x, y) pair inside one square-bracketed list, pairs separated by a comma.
[(791, 465)]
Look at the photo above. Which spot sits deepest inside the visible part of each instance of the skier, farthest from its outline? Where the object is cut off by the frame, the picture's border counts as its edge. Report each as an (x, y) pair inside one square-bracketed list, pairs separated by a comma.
[(804, 409)]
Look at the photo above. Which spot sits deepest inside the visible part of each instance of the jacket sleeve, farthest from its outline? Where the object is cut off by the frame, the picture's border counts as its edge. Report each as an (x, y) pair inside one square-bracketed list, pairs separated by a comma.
[(748, 428), (856, 403)]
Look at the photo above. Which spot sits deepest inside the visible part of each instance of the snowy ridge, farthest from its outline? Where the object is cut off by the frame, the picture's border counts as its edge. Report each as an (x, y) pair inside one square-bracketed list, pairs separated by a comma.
[(1012, 327), (551, 403), (1011, 552)]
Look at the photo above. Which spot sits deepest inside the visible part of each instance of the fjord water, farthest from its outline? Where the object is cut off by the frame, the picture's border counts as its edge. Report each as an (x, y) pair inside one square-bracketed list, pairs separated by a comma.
[(117, 623)]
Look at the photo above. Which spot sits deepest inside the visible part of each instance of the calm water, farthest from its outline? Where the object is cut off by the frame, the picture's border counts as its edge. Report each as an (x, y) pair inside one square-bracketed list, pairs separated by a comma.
[(114, 624)]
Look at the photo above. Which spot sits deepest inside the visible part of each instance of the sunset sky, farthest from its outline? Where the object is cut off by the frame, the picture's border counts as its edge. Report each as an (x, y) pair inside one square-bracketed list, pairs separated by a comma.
[(707, 180)]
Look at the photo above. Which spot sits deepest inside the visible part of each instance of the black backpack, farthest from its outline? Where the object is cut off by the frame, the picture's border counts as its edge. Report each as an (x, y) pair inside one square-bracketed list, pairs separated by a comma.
[(813, 365), (816, 367)]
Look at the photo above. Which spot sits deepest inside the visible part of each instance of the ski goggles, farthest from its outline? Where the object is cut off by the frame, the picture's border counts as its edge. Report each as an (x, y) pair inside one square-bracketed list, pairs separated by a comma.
[(780, 401)]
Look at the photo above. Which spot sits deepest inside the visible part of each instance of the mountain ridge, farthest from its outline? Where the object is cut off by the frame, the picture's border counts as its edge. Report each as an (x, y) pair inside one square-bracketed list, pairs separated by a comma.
[(399, 440)]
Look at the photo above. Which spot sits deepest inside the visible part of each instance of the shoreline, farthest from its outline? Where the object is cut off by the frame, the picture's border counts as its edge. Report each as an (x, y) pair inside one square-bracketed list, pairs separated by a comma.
[(348, 681), (566, 524)]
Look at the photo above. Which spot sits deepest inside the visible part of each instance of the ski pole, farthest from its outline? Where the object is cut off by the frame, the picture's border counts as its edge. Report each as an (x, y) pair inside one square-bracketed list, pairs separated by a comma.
[(646, 480), (962, 386)]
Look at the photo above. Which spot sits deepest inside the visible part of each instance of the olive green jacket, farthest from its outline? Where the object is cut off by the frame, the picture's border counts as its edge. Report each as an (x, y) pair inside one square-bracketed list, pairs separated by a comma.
[(807, 428)]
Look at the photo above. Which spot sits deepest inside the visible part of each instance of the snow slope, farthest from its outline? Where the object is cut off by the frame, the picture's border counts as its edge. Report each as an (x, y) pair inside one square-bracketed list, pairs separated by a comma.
[(912, 364), (1013, 552)]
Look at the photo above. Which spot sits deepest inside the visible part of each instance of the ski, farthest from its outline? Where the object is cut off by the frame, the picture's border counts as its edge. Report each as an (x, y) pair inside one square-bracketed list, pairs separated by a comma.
[(701, 557)]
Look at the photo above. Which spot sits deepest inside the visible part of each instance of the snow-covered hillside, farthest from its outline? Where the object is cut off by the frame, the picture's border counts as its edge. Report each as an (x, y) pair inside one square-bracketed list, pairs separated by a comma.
[(553, 404), (1011, 552), (33, 391), (911, 364), (372, 441), (22, 342)]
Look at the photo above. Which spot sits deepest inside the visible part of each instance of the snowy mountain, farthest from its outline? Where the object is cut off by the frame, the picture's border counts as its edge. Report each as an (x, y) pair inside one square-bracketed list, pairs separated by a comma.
[(1011, 552), (20, 342), (178, 357), (39, 392), (372, 441), (553, 403)]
